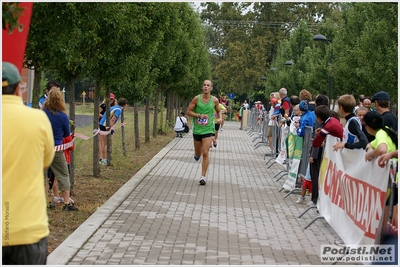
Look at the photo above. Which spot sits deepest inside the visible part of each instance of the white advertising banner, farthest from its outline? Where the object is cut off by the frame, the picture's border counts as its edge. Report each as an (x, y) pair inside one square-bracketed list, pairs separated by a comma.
[(281, 159), (352, 193), (294, 147)]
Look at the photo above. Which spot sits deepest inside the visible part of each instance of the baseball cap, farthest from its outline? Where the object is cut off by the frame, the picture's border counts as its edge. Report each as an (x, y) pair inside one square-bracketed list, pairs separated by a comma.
[(10, 74), (381, 95), (112, 96), (273, 101)]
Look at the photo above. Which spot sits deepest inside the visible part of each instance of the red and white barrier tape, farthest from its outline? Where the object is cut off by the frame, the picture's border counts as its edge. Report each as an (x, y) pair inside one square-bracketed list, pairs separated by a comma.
[(84, 137)]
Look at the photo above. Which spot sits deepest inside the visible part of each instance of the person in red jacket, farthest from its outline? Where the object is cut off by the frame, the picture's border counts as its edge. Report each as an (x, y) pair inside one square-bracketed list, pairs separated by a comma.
[(329, 125)]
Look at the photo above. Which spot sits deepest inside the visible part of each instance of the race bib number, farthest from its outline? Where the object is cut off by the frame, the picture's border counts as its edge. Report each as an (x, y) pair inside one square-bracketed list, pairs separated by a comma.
[(202, 121)]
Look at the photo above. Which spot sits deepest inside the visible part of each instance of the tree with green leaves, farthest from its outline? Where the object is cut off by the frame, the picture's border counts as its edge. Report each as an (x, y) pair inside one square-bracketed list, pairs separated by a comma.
[(244, 39), (58, 42), (366, 50)]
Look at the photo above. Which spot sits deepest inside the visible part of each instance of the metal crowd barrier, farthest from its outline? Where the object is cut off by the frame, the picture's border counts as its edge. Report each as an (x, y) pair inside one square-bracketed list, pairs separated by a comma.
[(252, 122), (305, 157), (263, 131)]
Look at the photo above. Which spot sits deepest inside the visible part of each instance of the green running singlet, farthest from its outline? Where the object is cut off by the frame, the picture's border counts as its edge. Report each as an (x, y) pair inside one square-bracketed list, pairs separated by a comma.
[(204, 126)]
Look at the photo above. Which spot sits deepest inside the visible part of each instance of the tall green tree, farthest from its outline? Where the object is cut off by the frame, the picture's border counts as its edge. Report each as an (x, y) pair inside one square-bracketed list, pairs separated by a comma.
[(366, 50), (61, 41), (244, 38)]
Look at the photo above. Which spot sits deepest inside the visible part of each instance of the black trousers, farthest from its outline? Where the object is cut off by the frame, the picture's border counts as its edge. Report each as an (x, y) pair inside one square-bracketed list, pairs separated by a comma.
[(314, 172), (32, 254)]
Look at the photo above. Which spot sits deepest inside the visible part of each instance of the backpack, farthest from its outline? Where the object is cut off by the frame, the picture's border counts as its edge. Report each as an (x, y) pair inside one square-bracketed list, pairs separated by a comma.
[(282, 111), (186, 130)]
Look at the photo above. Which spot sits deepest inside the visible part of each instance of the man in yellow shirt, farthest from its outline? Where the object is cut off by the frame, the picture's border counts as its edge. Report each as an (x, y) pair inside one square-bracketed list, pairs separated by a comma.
[(27, 149)]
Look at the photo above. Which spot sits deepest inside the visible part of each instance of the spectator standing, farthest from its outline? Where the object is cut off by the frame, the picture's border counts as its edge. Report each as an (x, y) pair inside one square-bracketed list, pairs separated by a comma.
[(103, 107), (180, 124), (361, 99), (245, 104), (306, 95), (359, 103), (368, 104), (385, 138), (294, 100), (102, 111), (53, 184), (328, 125), (224, 102), (201, 108), (360, 113), (115, 113), (242, 107), (54, 108), (273, 122), (27, 149), (49, 87), (307, 118), (353, 136), (316, 154), (217, 124), (286, 106), (386, 141), (381, 101)]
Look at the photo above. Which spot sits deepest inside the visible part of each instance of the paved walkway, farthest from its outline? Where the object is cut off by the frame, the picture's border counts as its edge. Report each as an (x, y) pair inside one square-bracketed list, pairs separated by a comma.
[(162, 216)]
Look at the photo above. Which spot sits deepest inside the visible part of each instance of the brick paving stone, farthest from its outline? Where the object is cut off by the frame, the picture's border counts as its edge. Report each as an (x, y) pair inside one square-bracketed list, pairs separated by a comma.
[(238, 218)]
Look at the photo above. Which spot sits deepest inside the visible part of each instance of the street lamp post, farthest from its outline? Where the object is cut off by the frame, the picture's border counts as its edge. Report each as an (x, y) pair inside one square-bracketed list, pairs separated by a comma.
[(320, 37)]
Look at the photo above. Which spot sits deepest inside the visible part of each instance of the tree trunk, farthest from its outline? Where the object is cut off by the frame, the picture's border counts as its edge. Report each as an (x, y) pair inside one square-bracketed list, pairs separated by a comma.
[(109, 140), (147, 120), (156, 103), (178, 106), (136, 125), (168, 109), (96, 145), (36, 88), (71, 90), (123, 134)]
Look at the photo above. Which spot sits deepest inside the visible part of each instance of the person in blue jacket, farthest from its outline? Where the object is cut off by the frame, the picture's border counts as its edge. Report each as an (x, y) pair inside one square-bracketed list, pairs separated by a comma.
[(307, 118)]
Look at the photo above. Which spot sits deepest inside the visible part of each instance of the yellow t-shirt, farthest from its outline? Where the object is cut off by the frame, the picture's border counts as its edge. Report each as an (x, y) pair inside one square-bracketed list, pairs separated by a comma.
[(27, 147), (382, 137), (221, 107)]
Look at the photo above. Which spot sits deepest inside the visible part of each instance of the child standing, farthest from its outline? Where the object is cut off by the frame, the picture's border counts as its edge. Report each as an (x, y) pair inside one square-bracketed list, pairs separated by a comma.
[(353, 136), (328, 125)]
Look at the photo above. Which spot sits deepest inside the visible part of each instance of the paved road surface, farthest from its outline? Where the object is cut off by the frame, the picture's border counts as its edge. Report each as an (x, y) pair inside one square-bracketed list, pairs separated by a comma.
[(83, 120), (162, 216)]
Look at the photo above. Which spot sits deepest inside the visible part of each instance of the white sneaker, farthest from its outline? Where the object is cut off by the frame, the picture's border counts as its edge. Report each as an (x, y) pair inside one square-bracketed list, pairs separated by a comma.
[(103, 162), (58, 200), (301, 200), (221, 130), (311, 203)]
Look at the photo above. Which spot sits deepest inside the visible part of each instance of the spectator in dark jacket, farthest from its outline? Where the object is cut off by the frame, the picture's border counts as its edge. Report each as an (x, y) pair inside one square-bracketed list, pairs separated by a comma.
[(353, 136)]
